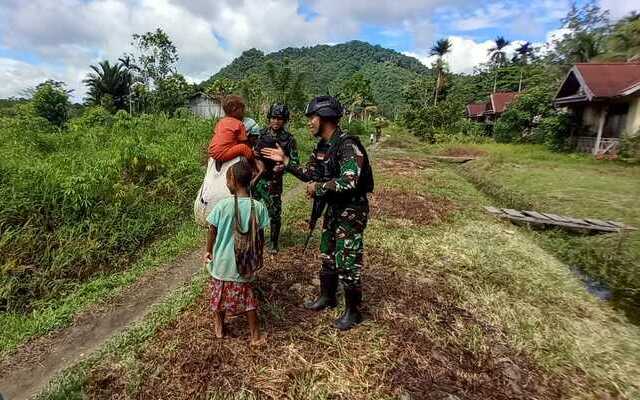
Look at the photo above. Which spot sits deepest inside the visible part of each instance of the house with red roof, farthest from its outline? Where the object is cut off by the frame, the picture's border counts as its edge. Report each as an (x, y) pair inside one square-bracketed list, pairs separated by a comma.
[(604, 102), (490, 110)]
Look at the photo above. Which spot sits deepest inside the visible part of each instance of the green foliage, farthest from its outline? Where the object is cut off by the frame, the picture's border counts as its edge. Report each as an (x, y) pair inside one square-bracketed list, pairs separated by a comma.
[(108, 85), (356, 93), (624, 42), (588, 29), (171, 93), (52, 103), (327, 68), (553, 130), (85, 201), (157, 56), (630, 148), (286, 86), (92, 117)]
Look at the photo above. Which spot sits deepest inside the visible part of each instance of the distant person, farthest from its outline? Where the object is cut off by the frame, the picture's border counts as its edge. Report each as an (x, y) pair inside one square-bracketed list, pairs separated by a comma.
[(268, 188), (234, 252)]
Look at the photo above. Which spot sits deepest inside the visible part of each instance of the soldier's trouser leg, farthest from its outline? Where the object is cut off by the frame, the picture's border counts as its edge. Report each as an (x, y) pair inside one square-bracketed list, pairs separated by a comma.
[(349, 252), (328, 273), (275, 212)]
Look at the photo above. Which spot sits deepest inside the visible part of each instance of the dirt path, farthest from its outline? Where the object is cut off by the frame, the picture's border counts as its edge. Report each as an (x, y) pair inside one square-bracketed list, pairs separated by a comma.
[(27, 371)]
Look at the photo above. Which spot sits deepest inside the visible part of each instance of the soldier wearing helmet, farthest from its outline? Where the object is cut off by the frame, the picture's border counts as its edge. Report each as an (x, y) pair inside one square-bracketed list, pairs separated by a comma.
[(343, 161), (269, 187)]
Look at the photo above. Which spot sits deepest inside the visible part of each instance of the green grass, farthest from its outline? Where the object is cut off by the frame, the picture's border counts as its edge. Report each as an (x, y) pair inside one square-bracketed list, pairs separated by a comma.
[(531, 177), (59, 313), (84, 202)]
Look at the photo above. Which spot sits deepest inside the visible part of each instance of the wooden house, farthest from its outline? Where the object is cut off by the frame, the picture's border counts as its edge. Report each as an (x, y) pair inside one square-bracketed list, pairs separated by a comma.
[(491, 110), (205, 106), (604, 102)]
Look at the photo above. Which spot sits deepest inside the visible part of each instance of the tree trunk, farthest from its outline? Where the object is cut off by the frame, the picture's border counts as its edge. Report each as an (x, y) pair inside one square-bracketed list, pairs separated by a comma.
[(435, 97), (495, 81), (520, 83)]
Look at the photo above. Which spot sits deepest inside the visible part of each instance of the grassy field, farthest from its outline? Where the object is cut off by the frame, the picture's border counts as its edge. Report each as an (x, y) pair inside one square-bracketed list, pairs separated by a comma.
[(530, 177), (457, 303)]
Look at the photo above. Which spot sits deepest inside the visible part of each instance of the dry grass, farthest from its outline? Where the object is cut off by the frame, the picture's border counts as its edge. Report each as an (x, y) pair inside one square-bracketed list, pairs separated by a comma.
[(398, 350)]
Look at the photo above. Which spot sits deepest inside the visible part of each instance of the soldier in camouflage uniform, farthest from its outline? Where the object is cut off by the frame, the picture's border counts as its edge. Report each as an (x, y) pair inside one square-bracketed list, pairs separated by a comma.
[(338, 171), (269, 188)]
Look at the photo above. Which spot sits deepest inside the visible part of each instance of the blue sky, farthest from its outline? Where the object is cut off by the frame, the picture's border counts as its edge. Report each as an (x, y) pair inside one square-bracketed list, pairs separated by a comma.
[(41, 39)]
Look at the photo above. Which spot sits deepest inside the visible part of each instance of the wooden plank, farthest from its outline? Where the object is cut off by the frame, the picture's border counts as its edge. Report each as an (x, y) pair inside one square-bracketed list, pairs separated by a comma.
[(452, 159), (576, 221), (493, 210), (514, 213), (598, 222), (617, 224), (555, 217), (536, 215)]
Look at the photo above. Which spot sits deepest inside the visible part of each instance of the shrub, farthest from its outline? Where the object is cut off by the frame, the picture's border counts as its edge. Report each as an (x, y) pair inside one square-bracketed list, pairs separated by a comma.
[(52, 103), (358, 128), (97, 116), (553, 131), (630, 148)]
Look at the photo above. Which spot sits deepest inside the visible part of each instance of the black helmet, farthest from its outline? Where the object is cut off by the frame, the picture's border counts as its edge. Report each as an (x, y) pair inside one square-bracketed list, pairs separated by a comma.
[(325, 107), (278, 110)]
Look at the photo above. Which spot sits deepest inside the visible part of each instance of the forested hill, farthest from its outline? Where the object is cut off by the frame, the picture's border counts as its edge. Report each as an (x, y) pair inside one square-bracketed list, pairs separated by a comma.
[(326, 68)]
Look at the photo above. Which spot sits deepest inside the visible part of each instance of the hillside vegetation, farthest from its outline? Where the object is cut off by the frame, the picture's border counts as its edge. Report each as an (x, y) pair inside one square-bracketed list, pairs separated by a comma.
[(326, 68)]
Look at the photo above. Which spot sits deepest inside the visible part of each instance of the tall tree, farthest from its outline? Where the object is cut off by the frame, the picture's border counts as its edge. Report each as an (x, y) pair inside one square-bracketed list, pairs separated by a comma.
[(498, 56), (287, 85), (51, 101), (440, 49), (624, 42), (356, 93), (523, 54), (109, 80), (587, 30), (157, 56)]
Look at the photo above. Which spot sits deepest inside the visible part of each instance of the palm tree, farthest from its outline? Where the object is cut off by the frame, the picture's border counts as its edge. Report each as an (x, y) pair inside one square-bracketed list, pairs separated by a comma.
[(106, 79), (440, 49), (498, 56), (522, 56)]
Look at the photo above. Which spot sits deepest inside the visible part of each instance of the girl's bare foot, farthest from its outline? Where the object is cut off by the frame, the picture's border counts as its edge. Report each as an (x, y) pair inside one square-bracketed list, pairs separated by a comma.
[(258, 341), (218, 325)]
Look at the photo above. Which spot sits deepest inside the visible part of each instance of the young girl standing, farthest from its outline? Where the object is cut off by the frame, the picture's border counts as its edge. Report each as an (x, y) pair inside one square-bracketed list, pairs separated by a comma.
[(234, 251)]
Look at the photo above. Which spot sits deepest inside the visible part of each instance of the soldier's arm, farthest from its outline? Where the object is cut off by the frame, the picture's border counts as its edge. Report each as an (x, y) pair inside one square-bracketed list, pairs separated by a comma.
[(304, 173), (351, 160), (294, 156)]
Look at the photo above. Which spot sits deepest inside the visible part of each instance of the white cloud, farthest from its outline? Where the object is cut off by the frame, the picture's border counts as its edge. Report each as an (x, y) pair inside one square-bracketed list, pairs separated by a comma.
[(619, 8), (466, 54), (66, 36)]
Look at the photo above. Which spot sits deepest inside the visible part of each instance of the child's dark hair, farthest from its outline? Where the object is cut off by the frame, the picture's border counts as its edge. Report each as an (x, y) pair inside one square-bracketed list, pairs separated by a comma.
[(231, 103), (241, 172)]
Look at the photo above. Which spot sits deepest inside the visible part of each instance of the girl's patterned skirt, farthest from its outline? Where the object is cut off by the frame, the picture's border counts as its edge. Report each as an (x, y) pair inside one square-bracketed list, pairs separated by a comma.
[(232, 297)]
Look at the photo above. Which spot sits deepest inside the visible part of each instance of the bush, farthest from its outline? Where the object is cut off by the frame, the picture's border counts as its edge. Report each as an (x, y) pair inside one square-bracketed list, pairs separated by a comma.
[(359, 128), (52, 103), (86, 201), (630, 148), (553, 131), (97, 116)]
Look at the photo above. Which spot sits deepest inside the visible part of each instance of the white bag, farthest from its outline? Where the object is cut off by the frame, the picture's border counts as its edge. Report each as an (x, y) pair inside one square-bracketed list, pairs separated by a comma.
[(213, 189)]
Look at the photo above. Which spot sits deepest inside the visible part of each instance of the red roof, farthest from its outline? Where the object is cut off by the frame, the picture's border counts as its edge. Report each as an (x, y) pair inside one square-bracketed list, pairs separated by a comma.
[(500, 100), (610, 79), (476, 109)]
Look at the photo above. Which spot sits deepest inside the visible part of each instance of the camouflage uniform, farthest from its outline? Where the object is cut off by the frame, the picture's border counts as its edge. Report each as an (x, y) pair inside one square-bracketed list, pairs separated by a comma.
[(268, 190), (347, 209)]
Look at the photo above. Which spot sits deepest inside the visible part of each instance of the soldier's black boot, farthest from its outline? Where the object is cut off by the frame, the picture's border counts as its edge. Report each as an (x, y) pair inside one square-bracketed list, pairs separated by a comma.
[(351, 316), (328, 288), (275, 235)]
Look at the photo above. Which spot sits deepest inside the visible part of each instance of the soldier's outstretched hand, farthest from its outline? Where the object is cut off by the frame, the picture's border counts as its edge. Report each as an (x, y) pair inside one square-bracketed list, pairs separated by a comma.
[(276, 154)]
